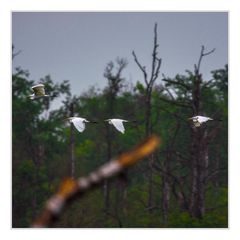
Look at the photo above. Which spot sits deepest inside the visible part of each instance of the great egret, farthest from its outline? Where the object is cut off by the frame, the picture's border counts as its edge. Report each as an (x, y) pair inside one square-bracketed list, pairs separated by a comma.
[(117, 123), (199, 120), (39, 92), (79, 122)]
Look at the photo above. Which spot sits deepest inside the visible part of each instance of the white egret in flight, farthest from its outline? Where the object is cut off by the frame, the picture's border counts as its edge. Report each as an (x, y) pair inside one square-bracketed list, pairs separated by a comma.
[(199, 120), (39, 92), (79, 123), (117, 123)]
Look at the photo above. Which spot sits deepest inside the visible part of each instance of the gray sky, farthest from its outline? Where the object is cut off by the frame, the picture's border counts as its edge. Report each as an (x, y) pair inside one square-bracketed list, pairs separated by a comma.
[(76, 46)]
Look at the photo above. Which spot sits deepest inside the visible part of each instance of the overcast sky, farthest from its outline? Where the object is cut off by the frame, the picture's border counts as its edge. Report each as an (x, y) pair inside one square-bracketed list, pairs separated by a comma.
[(76, 46)]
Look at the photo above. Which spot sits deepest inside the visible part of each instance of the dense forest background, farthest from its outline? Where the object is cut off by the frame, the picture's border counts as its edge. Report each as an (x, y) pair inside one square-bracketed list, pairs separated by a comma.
[(184, 184)]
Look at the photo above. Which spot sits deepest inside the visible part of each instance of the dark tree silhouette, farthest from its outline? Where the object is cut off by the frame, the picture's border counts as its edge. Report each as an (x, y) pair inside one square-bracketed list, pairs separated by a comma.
[(149, 83)]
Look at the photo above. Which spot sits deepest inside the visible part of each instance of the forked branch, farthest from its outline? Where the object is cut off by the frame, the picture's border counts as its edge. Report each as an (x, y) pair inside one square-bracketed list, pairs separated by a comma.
[(202, 54), (156, 63)]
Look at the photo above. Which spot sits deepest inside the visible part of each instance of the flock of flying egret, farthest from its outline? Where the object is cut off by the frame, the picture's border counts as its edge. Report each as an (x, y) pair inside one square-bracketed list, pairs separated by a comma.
[(79, 122)]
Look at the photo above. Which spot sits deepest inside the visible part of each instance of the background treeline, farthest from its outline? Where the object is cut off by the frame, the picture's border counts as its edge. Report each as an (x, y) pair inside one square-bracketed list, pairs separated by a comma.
[(184, 184)]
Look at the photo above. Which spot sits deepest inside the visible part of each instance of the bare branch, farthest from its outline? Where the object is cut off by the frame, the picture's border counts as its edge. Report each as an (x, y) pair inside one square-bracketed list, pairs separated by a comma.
[(122, 64), (202, 54), (175, 103), (207, 83), (141, 67), (73, 187), (159, 62), (170, 94), (177, 83), (173, 114), (215, 172), (154, 54), (156, 63), (174, 177), (15, 54), (183, 158), (207, 53)]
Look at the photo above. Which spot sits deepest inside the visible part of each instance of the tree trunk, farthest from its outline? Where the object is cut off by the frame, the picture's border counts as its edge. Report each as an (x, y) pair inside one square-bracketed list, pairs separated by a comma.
[(106, 185), (216, 166), (148, 131), (156, 64), (114, 85), (165, 190), (120, 196), (199, 171), (72, 146)]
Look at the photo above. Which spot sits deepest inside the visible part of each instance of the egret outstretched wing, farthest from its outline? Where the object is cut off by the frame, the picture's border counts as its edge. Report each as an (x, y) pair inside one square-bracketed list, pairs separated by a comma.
[(79, 124), (202, 119), (39, 90), (118, 124), (38, 85)]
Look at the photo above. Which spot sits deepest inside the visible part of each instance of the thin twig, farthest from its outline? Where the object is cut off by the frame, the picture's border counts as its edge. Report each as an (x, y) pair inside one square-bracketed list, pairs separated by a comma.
[(180, 104), (177, 83), (202, 54), (141, 67)]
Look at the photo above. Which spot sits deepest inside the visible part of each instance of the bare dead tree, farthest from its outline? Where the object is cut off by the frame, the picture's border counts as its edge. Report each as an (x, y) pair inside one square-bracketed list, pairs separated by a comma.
[(149, 83), (113, 74), (199, 149), (200, 137)]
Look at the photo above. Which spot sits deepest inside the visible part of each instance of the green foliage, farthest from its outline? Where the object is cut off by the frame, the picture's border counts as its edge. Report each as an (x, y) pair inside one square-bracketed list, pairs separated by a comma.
[(210, 220), (216, 215), (140, 88), (40, 145)]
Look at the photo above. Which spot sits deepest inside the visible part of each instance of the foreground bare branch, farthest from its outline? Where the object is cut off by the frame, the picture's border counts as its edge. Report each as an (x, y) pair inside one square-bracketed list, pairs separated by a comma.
[(70, 187)]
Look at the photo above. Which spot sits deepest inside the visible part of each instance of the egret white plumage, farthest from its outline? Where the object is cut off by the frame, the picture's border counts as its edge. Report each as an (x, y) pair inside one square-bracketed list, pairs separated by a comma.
[(117, 123), (39, 92), (199, 120), (79, 123)]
